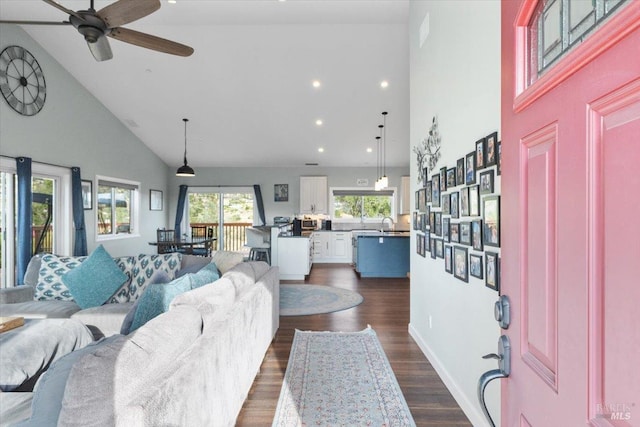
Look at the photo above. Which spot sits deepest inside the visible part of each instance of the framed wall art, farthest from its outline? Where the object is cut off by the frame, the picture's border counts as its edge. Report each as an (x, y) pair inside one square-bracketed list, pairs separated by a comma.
[(420, 244), (448, 258), (499, 159), (439, 248), (491, 216), (451, 178), (470, 168), (155, 200), (491, 149), (460, 269), (427, 192), (476, 234), (415, 221), (480, 159), (446, 204), (87, 194), (281, 192), (465, 233), (492, 263), (464, 201), (454, 205), (438, 227), (475, 266), (460, 178), (446, 229), (474, 200), (433, 248), (435, 190), (454, 231), (424, 224), (486, 182), (443, 179)]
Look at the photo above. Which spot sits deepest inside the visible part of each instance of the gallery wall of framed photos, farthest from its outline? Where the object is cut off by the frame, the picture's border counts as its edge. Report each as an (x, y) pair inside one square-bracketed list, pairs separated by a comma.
[(457, 214)]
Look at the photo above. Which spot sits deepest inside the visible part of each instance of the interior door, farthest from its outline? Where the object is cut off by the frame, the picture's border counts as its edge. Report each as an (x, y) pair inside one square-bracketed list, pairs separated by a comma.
[(571, 242)]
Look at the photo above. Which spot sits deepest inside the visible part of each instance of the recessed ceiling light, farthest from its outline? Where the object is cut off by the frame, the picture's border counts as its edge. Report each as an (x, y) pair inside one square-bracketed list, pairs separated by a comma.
[(384, 84), (320, 150), (316, 83), (369, 150), (171, 1), (319, 122)]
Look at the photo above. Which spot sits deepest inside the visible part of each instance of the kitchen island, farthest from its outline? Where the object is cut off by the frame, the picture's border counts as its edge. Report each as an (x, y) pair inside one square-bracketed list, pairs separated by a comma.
[(381, 254)]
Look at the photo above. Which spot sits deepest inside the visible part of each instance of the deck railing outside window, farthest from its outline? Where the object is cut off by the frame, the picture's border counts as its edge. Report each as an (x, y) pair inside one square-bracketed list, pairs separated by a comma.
[(235, 235)]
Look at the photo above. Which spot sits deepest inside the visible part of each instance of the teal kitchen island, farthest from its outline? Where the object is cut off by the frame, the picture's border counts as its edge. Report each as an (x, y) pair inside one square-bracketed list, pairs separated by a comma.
[(381, 254)]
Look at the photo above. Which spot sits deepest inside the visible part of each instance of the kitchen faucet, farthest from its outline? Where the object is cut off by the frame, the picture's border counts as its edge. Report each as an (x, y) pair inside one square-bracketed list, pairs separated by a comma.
[(382, 223)]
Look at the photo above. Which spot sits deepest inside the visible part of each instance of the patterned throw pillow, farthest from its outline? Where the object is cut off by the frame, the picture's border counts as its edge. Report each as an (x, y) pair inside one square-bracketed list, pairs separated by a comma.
[(147, 265), (126, 264), (52, 268)]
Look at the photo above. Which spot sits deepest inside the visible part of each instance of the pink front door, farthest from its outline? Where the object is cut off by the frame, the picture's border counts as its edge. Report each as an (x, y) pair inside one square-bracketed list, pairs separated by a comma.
[(571, 233)]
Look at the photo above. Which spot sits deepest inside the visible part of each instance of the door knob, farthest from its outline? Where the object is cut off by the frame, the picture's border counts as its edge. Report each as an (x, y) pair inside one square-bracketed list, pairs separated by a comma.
[(504, 369)]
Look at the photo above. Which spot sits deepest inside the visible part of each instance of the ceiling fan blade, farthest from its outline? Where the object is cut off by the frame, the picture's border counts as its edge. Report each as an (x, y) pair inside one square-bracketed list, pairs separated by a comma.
[(62, 8), (101, 50), (150, 42), (125, 11), (36, 22)]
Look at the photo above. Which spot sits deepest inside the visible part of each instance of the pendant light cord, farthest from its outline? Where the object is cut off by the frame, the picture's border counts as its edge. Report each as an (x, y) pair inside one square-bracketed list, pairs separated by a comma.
[(185, 140), (384, 144)]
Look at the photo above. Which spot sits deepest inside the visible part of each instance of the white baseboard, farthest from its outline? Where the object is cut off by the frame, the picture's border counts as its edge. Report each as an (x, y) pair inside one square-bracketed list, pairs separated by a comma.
[(468, 407)]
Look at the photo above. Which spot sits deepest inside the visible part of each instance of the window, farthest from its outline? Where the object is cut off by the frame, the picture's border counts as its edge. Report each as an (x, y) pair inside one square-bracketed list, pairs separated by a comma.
[(117, 207), (361, 205), (52, 215), (558, 25)]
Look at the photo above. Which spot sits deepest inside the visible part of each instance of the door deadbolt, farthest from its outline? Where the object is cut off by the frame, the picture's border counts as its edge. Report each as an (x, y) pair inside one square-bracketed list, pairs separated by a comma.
[(502, 311)]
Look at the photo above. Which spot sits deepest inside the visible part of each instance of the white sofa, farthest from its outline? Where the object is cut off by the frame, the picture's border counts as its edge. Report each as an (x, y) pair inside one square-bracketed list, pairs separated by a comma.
[(191, 366)]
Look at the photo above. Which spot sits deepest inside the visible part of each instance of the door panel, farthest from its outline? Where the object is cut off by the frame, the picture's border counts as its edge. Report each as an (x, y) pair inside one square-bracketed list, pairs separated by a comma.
[(570, 251)]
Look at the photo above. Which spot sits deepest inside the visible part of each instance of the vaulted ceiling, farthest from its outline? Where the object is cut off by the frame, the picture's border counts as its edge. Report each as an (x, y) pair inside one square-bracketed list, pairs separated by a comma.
[(247, 90)]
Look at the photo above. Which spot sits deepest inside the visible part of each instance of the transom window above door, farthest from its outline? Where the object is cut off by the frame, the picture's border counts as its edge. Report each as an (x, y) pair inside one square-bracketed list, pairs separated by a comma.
[(558, 25)]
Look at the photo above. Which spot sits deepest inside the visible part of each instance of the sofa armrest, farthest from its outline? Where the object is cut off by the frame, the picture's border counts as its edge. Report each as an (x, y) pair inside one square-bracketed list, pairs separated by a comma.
[(16, 294)]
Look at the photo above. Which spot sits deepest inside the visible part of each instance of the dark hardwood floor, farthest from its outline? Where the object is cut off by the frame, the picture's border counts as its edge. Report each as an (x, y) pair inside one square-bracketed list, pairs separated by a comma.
[(386, 309)]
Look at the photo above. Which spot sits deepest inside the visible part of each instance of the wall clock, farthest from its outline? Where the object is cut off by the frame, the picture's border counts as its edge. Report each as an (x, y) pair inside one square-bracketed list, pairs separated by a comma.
[(22, 81)]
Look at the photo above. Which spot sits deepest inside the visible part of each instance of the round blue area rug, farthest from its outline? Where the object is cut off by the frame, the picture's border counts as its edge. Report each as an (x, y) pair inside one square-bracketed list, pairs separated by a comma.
[(304, 300)]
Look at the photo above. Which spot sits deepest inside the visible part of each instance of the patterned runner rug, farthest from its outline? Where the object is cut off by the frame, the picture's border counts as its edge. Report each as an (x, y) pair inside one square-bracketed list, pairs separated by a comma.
[(340, 379)]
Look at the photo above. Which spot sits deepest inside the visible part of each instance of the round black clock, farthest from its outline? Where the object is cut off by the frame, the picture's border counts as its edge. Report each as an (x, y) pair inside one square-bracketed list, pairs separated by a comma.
[(22, 81)]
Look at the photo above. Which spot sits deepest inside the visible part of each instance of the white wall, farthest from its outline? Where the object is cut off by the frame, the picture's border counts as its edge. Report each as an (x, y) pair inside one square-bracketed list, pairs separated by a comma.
[(74, 129), (455, 76)]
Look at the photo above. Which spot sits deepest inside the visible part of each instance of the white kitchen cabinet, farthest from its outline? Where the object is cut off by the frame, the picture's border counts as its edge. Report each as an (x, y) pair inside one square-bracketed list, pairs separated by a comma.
[(313, 195), (405, 195), (294, 257), (332, 246)]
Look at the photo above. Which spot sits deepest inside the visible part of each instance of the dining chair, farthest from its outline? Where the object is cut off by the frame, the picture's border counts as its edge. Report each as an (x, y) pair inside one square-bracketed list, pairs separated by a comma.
[(200, 232), (166, 241)]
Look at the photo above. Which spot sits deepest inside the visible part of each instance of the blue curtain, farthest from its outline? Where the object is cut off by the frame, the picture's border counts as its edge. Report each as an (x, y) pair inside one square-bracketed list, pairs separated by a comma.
[(256, 190), (182, 197), (25, 217), (80, 243)]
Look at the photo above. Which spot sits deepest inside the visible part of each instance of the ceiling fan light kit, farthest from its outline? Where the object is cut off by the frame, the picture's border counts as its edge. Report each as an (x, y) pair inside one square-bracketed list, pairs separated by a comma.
[(185, 170), (107, 22)]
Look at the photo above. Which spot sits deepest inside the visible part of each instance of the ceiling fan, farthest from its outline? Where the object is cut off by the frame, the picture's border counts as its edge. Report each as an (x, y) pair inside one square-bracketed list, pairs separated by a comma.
[(107, 22)]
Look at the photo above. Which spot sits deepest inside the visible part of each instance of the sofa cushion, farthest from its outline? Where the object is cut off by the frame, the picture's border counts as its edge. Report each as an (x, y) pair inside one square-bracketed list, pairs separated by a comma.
[(226, 260), (206, 275), (192, 264), (125, 327), (52, 269), (40, 309), (217, 297), (126, 264), (104, 320), (242, 276), (33, 271), (131, 365), (95, 280), (47, 396), (147, 265), (156, 298)]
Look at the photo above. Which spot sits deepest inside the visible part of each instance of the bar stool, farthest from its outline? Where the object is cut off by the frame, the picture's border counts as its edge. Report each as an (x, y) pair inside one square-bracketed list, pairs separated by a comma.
[(259, 245)]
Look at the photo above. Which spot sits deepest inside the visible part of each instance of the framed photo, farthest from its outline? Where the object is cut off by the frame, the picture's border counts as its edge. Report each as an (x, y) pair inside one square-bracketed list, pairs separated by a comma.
[(499, 160), (87, 195), (432, 221), (418, 224), (475, 266), (155, 200), (438, 220), (491, 216), (439, 248), (420, 244), (422, 201), (460, 179), (427, 191), (425, 174), (454, 205), (492, 279), (424, 224), (446, 229), (491, 152), (281, 192), (454, 232), (448, 257), (486, 182), (474, 200), (451, 178), (476, 234), (415, 221), (433, 248), (470, 168), (446, 204), (435, 190), (427, 243), (465, 233), (464, 201), (480, 159), (443, 179), (460, 263)]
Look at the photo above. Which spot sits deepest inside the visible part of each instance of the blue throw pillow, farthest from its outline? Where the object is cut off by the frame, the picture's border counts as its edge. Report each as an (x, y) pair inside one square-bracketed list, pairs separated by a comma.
[(159, 276), (205, 275), (156, 298), (94, 281)]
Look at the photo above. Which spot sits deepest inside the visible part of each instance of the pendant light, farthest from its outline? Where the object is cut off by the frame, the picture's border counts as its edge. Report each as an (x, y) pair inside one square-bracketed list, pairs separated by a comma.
[(384, 180), (378, 147), (185, 170)]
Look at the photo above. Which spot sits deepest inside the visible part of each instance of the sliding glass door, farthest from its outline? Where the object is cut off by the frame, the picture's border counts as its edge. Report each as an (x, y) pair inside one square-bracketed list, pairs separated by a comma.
[(227, 210)]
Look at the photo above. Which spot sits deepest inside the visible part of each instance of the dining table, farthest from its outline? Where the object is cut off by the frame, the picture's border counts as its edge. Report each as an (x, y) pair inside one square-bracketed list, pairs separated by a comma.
[(185, 244)]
